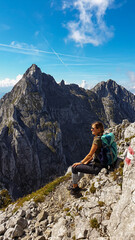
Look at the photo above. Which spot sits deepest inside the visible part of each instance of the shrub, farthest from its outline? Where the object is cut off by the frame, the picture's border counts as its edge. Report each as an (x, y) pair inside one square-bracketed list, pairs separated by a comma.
[(94, 223), (109, 214), (66, 209), (117, 173), (92, 189), (122, 164), (5, 198), (84, 198), (101, 204)]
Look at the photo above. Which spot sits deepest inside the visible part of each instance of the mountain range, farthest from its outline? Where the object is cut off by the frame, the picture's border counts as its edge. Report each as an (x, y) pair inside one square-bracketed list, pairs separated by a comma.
[(45, 126)]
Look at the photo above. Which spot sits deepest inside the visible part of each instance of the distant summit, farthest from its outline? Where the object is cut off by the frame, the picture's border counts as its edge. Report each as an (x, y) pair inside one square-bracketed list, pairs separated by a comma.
[(118, 102), (45, 126)]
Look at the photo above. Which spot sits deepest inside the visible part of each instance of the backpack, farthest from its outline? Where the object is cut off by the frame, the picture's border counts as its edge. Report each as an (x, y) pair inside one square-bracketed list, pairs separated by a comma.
[(108, 154)]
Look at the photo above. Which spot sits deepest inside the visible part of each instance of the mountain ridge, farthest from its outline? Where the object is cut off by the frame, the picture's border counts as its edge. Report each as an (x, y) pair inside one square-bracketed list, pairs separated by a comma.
[(45, 127)]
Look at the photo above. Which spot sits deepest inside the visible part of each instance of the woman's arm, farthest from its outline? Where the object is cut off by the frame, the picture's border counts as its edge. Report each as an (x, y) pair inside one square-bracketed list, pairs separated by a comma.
[(89, 157)]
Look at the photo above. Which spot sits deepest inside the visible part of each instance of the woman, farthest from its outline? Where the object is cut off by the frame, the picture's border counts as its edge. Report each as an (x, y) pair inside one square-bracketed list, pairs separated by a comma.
[(87, 165)]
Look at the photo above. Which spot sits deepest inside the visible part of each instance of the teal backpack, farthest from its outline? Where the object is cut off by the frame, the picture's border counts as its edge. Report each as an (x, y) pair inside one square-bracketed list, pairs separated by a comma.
[(108, 154)]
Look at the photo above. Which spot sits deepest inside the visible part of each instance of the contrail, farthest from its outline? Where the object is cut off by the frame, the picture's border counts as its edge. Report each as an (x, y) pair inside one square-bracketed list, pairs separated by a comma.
[(26, 49), (43, 51), (57, 55), (37, 50)]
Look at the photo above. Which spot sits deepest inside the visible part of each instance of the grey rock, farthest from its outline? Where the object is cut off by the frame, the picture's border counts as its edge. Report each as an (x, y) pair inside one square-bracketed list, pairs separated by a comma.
[(18, 231), (130, 131), (42, 216), (22, 222), (50, 219), (82, 226), (2, 229), (28, 214), (11, 222), (59, 230), (8, 234), (21, 213)]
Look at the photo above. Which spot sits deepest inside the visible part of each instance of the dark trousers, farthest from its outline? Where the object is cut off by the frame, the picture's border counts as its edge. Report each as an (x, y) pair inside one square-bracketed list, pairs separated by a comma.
[(78, 171)]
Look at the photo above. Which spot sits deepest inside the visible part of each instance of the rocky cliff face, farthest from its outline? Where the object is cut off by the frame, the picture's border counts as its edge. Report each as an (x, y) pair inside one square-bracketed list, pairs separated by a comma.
[(104, 210), (45, 126), (118, 103)]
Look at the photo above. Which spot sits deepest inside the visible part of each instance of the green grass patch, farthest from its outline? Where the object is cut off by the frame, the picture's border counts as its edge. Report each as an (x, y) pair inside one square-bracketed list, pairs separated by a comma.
[(39, 195)]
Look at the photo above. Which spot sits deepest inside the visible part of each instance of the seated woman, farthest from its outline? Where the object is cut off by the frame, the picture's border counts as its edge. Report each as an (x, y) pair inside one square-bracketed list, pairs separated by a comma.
[(90, 164)]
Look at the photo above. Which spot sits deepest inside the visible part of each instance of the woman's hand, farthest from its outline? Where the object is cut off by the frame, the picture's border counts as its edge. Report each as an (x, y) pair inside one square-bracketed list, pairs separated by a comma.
[(76, 164)]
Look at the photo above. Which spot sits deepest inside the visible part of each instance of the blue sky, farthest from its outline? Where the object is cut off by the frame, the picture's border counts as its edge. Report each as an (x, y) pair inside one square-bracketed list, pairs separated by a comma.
[(80, 41)]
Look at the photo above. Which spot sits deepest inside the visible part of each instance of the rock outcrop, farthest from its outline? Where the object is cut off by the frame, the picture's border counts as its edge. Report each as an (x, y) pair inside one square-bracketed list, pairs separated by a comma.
[(121, 224), (45, 126), (103, 211)]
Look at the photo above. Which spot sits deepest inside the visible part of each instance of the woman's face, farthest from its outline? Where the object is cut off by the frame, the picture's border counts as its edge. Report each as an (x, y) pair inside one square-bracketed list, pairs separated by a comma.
[(95, 131)]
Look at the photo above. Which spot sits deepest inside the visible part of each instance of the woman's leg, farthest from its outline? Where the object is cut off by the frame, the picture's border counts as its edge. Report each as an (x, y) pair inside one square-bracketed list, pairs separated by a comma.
[(79, 170), (76, 177)]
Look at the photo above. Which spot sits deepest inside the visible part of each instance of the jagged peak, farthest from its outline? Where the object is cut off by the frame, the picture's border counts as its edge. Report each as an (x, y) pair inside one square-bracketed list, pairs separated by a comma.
[(108, 84), (62, 83), (33, 70)]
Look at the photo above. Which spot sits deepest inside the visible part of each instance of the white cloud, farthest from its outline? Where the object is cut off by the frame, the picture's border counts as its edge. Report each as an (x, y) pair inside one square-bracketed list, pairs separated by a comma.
[(85, 85), (7, 82), (131, 76), (89, 25)]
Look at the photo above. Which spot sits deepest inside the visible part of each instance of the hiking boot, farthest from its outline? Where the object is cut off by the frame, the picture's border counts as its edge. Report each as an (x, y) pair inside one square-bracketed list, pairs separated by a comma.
[(74, 191), (70, 187)]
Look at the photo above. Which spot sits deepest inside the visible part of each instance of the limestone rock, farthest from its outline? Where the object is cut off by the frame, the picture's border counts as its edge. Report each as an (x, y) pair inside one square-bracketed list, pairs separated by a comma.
[(121, 225), (81, 227), (42, 216), (59, 230), (2, 229), (8, 234)]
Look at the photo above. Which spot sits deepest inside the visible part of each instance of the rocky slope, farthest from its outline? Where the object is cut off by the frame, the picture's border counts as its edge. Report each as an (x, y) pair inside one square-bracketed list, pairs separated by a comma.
[(104, 210), (45, 126)]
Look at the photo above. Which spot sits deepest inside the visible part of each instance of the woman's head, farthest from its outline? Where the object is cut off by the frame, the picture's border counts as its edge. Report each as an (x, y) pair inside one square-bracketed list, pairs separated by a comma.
[(97, 128)]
